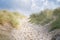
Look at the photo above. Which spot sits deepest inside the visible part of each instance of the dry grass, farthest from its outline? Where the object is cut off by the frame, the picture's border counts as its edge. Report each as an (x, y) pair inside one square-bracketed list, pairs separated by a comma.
[(10, 17)]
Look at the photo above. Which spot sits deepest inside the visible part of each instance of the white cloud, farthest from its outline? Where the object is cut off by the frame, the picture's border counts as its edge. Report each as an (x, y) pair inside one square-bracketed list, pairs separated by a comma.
[(58, 0), (36, 7), (33, 5), (21, 1), (26, 1), (46, 3), (51, 5)]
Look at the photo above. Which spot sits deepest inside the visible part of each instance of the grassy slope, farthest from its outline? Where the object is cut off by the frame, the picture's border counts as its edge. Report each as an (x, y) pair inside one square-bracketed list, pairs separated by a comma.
[(10, 17)]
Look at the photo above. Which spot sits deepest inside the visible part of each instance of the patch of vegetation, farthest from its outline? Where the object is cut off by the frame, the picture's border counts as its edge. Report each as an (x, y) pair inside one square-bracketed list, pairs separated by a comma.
[(10, 17), (46, 16), (42, 18)]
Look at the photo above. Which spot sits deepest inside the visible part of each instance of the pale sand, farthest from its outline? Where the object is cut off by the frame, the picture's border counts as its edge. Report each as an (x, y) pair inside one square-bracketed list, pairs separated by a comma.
[(27, 31)]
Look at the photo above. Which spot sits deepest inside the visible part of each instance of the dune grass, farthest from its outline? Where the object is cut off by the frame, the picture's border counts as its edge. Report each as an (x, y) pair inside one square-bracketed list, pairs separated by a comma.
[(10, 17)]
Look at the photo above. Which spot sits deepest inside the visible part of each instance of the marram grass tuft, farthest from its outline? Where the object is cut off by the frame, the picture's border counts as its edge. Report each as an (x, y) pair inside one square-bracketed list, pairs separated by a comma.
[(10, 17)]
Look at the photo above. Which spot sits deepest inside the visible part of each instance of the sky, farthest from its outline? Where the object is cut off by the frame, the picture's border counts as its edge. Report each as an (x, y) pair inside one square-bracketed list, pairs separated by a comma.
[(28, 7)]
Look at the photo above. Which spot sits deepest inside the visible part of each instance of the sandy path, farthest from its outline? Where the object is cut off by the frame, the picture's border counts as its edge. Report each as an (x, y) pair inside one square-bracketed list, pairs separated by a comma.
[(27, 31)]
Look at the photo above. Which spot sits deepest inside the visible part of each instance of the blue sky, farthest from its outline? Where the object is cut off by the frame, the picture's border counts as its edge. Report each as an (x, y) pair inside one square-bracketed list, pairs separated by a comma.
[(28, 6)]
